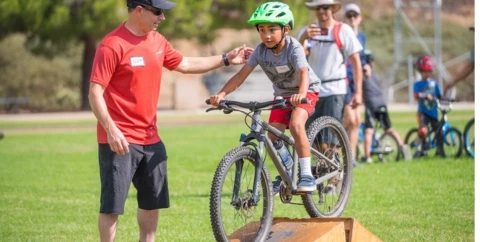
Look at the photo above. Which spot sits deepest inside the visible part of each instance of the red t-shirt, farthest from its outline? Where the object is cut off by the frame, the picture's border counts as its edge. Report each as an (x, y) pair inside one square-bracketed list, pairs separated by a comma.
[(130, 68)]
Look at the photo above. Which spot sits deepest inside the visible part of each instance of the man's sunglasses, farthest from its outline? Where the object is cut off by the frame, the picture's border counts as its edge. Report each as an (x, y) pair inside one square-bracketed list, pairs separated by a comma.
[(155, 11), (352, 15), (324, 7)]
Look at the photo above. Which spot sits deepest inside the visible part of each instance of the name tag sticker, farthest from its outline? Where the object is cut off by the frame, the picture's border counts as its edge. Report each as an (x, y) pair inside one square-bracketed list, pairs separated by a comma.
[(137, 61), (282, 69)]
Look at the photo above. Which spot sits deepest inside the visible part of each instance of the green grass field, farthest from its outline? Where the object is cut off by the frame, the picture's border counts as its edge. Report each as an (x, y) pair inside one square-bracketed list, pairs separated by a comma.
[(49, 186)]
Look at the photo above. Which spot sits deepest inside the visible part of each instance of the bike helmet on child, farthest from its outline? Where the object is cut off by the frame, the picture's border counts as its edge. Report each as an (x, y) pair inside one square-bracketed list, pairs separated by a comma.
[(425, 63), (272, 12)]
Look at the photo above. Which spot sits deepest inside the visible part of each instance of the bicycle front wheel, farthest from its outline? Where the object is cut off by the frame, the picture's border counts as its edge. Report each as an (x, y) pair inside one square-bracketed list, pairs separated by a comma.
[(328, 136), (388, 148), (453, 142), (469, 138), (234, 214)]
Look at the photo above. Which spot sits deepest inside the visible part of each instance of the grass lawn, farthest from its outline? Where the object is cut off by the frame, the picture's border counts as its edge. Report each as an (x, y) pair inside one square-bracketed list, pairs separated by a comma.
[(49, 186)]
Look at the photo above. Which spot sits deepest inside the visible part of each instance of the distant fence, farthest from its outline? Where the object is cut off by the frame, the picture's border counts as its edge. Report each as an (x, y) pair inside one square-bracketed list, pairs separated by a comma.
[(12, 104)]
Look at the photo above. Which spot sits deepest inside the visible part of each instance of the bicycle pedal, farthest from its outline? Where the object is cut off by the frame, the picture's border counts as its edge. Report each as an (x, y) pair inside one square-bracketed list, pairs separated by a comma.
[(301, 192)]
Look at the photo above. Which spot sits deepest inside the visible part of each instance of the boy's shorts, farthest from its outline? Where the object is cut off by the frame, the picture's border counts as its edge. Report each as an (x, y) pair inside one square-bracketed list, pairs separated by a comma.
[(380, 114), (282, 116), (145, 166)]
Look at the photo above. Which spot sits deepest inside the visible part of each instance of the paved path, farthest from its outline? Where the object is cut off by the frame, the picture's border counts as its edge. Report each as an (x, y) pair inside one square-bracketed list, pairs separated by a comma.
[(81, 115)]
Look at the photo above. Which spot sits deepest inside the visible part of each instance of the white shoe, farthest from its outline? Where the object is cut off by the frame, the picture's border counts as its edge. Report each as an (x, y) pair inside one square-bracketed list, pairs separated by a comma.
[(406, 152)]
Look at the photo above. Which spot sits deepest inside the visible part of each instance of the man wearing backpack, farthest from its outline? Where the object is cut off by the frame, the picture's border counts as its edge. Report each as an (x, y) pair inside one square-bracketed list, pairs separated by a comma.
[(332, 44)]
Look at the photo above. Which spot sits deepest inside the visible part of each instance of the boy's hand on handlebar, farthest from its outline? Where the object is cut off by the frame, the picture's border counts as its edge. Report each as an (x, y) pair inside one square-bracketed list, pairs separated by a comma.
[(215, 99), (296, 99), (429, 97)]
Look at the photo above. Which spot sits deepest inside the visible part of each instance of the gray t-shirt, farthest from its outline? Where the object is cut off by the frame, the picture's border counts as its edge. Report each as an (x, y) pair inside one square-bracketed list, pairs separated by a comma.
[(372, 93), (327, 61), (282, 70)]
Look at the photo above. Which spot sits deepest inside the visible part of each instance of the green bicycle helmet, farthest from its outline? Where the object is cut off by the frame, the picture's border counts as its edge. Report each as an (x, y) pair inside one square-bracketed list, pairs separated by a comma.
[(272, 12)]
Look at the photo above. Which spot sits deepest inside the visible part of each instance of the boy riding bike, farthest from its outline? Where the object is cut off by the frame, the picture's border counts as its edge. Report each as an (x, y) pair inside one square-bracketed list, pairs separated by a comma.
[(425, 91), (283, 60)]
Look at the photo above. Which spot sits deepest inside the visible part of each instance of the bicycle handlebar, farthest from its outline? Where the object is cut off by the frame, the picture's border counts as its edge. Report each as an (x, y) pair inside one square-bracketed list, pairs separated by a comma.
[(253, 105)]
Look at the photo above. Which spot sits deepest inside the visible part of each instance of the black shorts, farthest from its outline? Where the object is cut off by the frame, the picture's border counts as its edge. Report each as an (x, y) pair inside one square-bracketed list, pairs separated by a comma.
[(426, 120), (380, 114), (328, 106), (145, 166)]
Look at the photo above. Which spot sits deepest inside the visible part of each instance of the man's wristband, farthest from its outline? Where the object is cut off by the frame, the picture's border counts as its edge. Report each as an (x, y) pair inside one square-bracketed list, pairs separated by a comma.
[(225, 59)]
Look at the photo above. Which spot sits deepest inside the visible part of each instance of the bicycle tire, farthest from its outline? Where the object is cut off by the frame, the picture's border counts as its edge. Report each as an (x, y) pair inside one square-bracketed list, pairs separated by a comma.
[(411, 139), (330, 205), (388, 140), (469, 138), (228, 216), (453, 142)]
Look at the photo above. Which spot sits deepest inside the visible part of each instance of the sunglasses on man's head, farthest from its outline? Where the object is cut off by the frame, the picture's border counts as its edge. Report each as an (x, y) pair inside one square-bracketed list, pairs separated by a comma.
[(324, 7), (155, 11), (352, 15)]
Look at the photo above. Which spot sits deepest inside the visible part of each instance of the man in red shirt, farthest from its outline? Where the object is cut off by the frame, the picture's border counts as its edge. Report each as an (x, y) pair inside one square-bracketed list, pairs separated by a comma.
[(124, 90)]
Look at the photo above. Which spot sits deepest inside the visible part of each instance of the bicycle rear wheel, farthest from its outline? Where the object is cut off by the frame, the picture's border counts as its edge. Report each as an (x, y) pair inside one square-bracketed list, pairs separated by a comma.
[(388, 149), (328, 136), (231, 198), (453, 142), (469, 138)]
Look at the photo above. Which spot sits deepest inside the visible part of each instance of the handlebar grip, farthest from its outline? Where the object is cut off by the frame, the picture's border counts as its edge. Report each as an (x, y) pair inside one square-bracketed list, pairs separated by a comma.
[(207, 101), (304, 100)]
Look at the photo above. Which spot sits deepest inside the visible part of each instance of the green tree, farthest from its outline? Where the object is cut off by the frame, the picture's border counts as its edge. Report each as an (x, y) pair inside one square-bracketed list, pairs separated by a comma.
[(50, 25)]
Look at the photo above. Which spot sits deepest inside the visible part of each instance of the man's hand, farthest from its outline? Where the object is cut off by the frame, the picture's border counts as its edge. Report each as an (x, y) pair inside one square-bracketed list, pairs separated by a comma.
[(116, 140), (239, 55), (356, 100), (367, 70)]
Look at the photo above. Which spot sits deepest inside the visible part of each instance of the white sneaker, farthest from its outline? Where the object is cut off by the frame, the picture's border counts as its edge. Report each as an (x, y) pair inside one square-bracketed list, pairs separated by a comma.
[(406, 152)]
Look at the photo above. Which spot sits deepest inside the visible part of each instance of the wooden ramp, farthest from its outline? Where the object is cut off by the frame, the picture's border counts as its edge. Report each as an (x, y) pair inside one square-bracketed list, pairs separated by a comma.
[(312, 229)]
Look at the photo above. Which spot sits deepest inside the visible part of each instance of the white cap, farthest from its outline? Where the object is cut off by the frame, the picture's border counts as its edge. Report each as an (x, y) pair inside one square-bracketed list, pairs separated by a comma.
[(352, 7)]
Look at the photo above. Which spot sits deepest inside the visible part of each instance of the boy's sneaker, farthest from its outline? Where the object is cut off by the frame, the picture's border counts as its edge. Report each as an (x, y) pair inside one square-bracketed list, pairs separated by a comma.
[(406, 152), (306, 184), (418, 154)]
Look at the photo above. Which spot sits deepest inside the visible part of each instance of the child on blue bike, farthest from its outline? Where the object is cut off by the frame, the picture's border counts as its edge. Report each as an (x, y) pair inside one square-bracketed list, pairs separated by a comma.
[(283, 60), (425, 92)]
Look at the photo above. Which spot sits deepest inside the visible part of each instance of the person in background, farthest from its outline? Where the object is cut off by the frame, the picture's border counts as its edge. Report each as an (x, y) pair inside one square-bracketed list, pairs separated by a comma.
[(425, 91), (124, 91), (332, 44), (283, 60), (376, 109)]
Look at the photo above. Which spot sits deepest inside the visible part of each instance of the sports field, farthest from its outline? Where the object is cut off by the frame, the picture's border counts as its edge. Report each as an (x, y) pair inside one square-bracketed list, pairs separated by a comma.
[(49, 184)]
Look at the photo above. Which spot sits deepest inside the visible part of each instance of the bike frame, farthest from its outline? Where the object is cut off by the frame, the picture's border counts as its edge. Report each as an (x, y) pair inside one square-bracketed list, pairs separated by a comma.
[(443, 124), (258, 132)]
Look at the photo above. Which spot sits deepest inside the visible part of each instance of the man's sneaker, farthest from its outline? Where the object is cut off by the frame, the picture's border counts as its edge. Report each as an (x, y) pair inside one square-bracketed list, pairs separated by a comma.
[(276, 185), (355, 163), (367, 159), (306, 184), (406, 152)]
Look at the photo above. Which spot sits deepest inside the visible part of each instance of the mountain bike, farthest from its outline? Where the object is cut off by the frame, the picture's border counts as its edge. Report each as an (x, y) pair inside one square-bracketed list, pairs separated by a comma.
[(384, 145), (469, 138), (452, 137), (241, 193)]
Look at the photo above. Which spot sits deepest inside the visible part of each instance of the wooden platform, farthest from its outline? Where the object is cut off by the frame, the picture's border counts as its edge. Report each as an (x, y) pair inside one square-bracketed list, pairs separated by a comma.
[(312, 229)]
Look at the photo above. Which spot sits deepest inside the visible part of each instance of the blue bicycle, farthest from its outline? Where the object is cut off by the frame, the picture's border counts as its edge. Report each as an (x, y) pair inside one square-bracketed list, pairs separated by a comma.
[(452, 137), (384, 145), (469, 138)]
